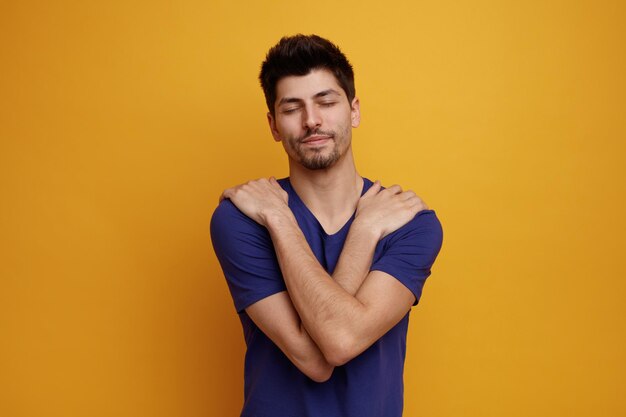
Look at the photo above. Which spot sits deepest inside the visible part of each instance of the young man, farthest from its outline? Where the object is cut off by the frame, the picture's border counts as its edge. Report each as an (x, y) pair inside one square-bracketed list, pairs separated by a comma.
[(325, 265)]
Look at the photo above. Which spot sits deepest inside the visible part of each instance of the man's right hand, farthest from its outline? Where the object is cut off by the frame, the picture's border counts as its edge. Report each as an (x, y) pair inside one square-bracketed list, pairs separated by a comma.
[(259, 199), (385, 211)]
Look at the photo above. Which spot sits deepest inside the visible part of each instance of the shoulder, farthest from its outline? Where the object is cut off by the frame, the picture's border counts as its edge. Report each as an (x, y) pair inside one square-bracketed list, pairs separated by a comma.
[(227, 213), (229, 223), (426, 220), (424, 229)]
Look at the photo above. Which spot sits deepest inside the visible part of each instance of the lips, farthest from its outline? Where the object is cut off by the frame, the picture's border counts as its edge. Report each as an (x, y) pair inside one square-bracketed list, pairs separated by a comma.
[(316, 139)]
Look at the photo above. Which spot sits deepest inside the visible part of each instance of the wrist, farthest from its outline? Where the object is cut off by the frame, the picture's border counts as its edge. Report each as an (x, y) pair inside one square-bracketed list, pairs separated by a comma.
[(367, 230), (278, 218)]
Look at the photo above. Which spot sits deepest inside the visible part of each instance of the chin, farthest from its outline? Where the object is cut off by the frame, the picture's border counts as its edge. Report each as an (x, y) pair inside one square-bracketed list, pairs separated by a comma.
[(315, 164)]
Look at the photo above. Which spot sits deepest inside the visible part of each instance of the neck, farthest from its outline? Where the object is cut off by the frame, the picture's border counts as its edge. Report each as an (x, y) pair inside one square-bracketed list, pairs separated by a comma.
[(331, 194)]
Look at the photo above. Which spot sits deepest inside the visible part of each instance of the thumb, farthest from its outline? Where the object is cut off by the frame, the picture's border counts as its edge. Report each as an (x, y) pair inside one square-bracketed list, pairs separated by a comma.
[(374, 189), (275, 184)]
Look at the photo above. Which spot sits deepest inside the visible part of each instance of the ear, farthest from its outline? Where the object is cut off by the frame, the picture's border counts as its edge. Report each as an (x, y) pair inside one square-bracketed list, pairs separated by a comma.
[(355, 110), (272, 122)]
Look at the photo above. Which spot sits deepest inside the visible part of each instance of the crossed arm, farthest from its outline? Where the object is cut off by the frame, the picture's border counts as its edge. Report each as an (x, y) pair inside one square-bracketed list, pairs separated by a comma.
[(325, 321), (277, 317)]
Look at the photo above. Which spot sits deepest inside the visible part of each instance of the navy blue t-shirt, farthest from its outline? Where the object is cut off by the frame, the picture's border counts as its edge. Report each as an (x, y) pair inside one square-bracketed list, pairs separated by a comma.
[(371, 384)]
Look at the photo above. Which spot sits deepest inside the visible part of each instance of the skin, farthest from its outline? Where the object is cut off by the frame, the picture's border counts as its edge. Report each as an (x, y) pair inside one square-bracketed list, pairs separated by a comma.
[(323, 321)]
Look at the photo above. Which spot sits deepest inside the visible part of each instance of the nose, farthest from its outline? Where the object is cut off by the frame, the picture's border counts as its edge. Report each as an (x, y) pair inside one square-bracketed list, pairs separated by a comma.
[(311, 118)]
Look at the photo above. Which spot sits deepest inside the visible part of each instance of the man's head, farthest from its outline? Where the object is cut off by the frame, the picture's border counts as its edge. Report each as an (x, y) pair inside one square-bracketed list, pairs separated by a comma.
[(299, 55), (309, 88)]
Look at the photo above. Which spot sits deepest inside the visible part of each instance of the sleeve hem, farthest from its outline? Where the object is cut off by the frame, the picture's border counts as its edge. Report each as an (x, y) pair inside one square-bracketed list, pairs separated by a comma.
[(256, 297), (417, 292)]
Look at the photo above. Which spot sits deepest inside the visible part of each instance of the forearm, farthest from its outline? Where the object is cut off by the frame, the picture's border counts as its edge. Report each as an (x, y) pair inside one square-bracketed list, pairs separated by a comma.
[(356, 258), (308, 357), (326, 309), (350, 272)]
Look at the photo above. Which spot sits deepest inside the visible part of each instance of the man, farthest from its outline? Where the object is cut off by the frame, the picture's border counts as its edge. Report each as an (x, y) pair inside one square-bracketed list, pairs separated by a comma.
[(324, 265)]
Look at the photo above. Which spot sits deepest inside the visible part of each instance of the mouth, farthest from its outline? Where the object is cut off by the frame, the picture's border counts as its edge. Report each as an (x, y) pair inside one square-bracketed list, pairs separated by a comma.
[(316, 139)]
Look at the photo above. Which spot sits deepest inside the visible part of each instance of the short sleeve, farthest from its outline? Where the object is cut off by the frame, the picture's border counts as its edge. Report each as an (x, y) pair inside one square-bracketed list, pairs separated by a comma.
[(409, 253), (246, 254)]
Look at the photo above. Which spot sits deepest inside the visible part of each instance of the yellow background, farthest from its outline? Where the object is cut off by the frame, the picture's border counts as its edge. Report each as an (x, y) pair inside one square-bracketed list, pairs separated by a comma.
[(121, 122)]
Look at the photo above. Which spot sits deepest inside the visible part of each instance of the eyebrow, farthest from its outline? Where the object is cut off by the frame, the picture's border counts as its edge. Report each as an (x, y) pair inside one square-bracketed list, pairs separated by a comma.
[(323, 93)]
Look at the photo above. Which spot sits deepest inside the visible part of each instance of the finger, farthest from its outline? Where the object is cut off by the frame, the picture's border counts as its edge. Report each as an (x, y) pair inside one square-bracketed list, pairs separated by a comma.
[(226, 194), (373, 190), (274, 182), (406, 195), (395, 189), (417, 202), (275, 186)]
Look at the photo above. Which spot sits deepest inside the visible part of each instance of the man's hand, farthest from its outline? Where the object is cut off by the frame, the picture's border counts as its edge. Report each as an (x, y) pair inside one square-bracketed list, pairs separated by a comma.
[(388, 210), (259, 199)]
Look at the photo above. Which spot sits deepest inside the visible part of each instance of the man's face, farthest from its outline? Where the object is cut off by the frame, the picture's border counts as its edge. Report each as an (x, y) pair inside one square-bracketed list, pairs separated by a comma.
[(313, 119)]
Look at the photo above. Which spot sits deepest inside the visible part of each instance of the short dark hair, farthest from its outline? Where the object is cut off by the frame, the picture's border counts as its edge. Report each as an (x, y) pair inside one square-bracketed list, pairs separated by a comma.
[(299, 55)]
